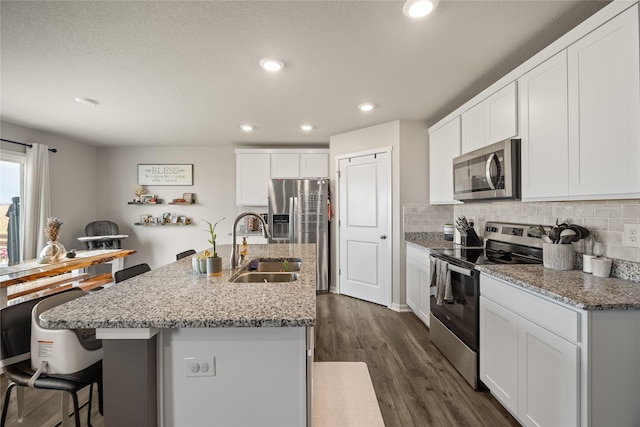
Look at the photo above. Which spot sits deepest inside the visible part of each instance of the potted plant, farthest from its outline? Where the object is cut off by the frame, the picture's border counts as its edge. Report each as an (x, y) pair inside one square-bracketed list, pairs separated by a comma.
[(54, 250), (214, 262)]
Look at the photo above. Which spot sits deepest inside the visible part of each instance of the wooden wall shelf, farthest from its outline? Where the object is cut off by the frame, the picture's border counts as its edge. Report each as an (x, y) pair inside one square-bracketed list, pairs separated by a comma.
[(158, 202), (159, 224)]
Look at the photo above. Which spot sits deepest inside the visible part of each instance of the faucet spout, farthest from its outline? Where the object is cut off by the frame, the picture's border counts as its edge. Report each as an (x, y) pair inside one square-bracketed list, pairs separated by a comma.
[(234, 246)]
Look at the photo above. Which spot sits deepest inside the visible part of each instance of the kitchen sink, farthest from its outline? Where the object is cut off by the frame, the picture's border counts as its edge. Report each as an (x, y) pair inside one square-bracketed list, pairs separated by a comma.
[(261, 276), (287, 265)]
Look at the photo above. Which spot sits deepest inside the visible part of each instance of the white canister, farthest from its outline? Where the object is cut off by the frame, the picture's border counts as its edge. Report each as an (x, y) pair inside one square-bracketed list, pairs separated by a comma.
[(448, 232), (601, 267), (587, 265)]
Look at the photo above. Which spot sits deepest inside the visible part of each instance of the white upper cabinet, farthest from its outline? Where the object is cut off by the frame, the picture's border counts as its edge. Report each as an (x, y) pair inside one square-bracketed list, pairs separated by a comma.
[(474, 128), (255, 167), (444, 145), (300, 165), (314, 165), (502, 114), (492, 120), (285, 165), (604, 109), (544, 129), (253, 171)]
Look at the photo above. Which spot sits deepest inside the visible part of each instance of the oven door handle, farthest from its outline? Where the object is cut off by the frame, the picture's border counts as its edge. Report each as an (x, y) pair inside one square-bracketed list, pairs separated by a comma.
[(463, 271)]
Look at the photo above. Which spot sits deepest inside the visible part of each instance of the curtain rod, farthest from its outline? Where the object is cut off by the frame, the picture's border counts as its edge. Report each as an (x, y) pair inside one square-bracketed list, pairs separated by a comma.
[(53, 150)]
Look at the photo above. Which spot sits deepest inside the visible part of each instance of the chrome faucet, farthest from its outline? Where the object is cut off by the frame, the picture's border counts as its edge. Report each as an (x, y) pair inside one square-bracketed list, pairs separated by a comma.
[(234, 247)]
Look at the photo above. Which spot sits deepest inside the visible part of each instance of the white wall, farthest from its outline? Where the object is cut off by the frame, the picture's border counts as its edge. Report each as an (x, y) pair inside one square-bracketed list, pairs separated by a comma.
[(73, 179), (214, 187), (410, 183)]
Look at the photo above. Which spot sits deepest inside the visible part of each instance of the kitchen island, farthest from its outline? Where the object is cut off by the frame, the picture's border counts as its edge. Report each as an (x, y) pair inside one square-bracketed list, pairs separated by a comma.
[(182, 348)]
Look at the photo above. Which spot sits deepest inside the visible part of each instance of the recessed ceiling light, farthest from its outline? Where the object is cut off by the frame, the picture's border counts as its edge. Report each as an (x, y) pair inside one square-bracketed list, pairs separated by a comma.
[(419, 8), (246, 128), (306, 127), (366, 106), (87, 101), (272, 64)]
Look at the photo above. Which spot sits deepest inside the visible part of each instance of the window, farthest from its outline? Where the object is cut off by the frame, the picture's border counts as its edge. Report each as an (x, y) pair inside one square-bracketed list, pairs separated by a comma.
[(12, 165)]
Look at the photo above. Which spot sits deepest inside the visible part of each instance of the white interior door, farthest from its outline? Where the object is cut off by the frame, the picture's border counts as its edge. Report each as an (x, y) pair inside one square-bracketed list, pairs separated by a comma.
[(365, 232)]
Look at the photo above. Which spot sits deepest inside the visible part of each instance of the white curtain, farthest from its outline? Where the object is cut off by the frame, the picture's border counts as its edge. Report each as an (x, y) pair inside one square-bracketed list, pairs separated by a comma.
[(37, 205)]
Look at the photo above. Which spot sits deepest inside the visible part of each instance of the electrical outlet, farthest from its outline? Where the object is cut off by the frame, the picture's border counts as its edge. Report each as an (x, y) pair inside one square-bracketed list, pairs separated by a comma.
[(471, 220), (199, 366), (632, 235)]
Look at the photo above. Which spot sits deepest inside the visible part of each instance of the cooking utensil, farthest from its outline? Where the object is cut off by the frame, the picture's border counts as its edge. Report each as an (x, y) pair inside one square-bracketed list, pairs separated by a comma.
[(568, 236)]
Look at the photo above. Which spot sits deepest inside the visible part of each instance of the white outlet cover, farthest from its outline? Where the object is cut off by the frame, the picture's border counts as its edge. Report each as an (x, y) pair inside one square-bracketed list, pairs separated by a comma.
[(199, 366), (631, 235)]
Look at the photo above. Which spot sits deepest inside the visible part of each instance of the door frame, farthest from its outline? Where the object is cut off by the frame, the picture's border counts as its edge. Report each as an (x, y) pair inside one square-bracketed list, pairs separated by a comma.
[(388, 150)]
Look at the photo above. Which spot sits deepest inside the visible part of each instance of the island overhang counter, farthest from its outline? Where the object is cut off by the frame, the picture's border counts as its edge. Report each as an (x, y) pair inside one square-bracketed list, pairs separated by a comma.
[(250, 344)]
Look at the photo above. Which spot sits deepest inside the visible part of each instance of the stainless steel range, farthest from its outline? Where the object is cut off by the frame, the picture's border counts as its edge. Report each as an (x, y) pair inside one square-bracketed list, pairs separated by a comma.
[(455, 320)]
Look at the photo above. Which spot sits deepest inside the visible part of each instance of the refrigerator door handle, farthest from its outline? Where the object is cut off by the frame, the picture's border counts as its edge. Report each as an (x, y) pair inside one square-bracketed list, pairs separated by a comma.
[(291, 219)]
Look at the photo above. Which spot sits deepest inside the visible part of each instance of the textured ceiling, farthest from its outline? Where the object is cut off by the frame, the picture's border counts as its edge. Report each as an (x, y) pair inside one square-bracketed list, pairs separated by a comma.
[(187, 73)]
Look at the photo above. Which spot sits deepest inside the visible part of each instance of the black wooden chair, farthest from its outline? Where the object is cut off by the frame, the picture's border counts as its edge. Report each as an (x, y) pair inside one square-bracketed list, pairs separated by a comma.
[(129, 272), (15, 347), (185, 254)]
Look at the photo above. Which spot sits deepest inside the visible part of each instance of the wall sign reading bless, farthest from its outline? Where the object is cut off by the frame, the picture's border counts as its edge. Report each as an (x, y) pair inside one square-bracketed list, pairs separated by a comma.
[(165, 174)]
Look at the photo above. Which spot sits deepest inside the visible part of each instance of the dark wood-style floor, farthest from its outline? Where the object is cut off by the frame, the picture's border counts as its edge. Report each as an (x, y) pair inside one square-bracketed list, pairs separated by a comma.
[(414, 384)]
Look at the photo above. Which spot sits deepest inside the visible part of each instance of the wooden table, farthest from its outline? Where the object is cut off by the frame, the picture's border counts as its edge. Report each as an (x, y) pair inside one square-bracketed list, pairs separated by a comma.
[(30, 279)]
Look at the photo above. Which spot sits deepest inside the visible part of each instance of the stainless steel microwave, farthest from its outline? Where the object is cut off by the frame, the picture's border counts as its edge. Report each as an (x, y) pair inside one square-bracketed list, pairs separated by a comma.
[(489, 173)]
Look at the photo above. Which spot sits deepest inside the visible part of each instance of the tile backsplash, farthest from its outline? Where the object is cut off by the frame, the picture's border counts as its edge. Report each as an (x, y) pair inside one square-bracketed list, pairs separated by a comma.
[(604, 218), (426, 218)]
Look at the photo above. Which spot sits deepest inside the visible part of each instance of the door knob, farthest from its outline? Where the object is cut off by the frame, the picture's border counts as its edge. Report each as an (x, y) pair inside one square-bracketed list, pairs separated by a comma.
[(383, 237)]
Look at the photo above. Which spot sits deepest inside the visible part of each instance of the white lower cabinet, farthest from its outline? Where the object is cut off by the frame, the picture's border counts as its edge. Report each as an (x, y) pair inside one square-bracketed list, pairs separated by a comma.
[(554, 365), (533, 372), (418, 282), (499, 352), (548, 377)]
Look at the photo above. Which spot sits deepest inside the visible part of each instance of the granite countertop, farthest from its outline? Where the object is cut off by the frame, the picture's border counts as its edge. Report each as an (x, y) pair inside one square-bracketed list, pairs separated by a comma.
[(429, 241), (573, 287), (175, 296)]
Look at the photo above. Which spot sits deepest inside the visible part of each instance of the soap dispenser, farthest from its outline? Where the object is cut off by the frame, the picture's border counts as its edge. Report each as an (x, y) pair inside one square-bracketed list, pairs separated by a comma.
[(244, 248)]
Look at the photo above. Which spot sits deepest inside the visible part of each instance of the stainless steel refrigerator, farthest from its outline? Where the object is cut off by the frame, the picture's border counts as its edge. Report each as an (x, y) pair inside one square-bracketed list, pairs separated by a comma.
[(298, 214)]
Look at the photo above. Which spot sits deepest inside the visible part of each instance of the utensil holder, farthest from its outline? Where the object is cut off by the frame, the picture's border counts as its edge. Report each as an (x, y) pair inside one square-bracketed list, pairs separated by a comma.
[(469, 238), (558, 257), (601, 267)]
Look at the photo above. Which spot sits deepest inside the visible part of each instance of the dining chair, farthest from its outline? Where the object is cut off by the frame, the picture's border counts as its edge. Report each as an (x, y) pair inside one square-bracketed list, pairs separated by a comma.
[(129, 272), (15, 358), (185, 254)]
